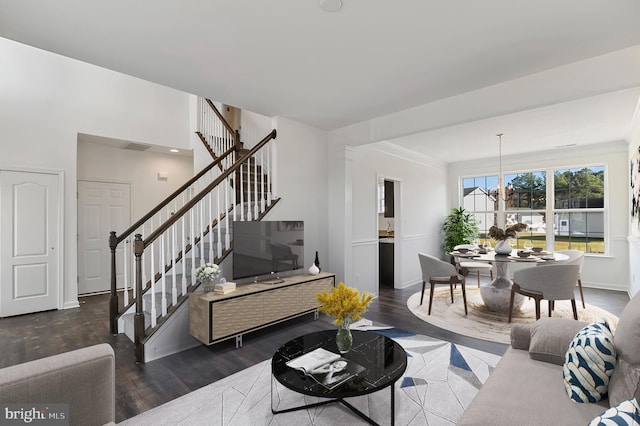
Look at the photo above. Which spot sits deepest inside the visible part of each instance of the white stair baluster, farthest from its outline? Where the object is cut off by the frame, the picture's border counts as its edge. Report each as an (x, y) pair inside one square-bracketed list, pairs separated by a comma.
[(153, 288), (227, 242), (125, 277), (255, 185), (219, 245), (212, 254), (163, 279), (183, 248), (193, 248), (240, 188), (174, 255)]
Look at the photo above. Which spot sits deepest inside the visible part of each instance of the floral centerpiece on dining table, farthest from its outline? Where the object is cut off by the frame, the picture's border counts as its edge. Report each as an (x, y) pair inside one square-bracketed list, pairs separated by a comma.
[(501, 235), (345, 304)]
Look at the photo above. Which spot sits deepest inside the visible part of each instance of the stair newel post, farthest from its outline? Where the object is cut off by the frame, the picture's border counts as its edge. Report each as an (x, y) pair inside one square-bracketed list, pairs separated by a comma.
[(113, 299), (238, 144), (138, 318)]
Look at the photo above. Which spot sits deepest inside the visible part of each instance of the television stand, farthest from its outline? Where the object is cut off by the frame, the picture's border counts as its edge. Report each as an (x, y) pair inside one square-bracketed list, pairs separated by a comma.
[(217, 317)]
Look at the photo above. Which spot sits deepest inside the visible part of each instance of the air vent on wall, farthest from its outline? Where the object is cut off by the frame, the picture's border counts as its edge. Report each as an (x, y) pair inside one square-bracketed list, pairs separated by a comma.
[(136, 147)]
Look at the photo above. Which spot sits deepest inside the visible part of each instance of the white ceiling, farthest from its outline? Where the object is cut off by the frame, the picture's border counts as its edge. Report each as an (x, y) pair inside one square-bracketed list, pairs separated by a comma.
[(370, 59)]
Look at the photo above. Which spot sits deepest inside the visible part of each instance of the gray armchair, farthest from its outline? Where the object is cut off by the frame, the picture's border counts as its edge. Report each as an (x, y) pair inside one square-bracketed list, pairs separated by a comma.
[(550, 282), (436, 271), (466, 265), (576, 257)]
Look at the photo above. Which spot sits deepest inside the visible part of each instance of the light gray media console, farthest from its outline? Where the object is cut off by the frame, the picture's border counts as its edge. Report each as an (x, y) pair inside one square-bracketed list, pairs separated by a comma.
[(217, 317)]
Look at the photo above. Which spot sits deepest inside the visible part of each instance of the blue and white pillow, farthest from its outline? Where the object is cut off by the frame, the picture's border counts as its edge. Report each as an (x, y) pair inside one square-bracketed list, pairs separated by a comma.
[(625, 413), (589, 363)]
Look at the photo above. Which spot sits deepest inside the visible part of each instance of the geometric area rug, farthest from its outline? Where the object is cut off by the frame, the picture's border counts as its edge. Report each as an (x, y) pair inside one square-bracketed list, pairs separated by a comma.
[(440, 381)]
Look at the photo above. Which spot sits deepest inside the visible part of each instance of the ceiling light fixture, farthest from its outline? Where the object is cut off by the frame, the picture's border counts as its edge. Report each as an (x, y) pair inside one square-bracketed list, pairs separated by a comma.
[(174, 150), (501, 188), (330, 5)]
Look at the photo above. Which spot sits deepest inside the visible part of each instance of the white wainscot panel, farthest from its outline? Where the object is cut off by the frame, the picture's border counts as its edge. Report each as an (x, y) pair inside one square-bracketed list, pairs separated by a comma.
[(365, 266)]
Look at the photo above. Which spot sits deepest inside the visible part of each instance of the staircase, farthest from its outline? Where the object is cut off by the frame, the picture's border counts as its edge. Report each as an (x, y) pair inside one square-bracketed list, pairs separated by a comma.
[(153, 262)]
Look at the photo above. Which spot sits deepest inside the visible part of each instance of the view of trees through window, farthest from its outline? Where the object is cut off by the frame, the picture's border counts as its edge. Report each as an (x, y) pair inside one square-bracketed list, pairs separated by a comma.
[(573, 198)]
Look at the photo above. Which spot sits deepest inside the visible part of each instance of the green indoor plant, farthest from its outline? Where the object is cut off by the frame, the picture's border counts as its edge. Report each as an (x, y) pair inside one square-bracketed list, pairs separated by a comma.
[(459, 228)]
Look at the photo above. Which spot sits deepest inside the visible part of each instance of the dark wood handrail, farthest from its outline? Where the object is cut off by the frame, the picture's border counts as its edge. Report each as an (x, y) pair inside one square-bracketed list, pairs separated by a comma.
[(182, 211), (170, 198), (226, 125)]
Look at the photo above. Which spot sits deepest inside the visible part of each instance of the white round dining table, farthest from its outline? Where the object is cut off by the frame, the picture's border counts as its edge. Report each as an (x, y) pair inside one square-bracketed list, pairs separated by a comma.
[(497, 294)]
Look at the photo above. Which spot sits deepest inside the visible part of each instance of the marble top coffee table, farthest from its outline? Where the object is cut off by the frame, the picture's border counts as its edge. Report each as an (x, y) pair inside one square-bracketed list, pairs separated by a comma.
[(383, 359)]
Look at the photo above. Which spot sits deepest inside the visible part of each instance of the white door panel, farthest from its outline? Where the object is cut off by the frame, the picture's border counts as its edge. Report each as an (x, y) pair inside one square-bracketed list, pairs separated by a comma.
[(29, 222), (102, 207)]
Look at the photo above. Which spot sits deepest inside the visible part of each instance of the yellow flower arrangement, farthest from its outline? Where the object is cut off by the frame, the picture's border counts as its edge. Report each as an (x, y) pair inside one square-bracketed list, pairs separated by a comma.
[(344, 303)]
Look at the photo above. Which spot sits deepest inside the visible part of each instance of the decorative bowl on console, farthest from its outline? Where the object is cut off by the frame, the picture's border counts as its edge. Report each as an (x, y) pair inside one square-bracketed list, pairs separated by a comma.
[(523, 254)]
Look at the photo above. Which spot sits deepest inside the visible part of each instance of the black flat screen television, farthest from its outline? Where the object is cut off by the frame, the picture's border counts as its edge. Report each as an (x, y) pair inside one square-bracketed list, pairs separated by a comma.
[(267, 248)]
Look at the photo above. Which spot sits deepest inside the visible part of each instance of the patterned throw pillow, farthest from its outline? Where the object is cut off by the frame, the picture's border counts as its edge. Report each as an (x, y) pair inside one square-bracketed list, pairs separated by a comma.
[(589, 363), (625, 413)]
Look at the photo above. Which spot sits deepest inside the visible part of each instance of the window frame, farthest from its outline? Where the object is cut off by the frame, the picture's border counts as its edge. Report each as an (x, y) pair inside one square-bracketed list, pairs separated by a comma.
[(550, 210)]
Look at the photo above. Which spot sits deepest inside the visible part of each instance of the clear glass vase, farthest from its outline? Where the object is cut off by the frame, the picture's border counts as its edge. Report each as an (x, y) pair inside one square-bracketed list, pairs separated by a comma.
[(208, 285), (344, 339)]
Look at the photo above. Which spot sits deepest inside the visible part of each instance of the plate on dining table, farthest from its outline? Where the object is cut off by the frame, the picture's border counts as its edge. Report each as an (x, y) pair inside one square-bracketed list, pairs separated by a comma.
[(525, 259), (467, 254)]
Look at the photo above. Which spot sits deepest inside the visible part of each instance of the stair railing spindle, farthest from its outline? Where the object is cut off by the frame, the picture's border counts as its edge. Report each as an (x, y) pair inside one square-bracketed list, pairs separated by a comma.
[(212, 254), (174, 255), (125, 270), (193, 248), (255, 184), (219, 244), (241, 189), (163, 279), (153, 286)]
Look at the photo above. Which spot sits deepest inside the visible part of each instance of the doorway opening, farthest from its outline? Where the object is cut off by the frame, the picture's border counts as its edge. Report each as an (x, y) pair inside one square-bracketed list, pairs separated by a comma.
[(388, 229)]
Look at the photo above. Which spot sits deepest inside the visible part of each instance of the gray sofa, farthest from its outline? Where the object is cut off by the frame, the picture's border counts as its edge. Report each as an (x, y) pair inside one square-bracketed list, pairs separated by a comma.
[(527, 386), (83, 378)]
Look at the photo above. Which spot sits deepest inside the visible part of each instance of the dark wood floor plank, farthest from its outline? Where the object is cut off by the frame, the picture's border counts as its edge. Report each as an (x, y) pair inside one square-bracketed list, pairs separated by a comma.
[(140, 387)]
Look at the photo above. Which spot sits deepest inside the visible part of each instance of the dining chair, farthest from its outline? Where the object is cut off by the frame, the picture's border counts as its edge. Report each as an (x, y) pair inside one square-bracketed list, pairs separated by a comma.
[(576, 257), (550, 282), (466, 265), (436, 271)]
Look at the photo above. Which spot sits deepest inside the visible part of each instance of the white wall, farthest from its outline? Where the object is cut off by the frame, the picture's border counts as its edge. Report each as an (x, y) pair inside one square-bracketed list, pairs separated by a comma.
[(422, 207), (47, 99), (609, 271), (301, 157), (140, 169), (634, 240)]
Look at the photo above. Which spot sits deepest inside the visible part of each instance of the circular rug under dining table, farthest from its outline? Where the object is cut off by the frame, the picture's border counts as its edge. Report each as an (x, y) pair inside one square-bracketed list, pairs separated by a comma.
[(484, 324)]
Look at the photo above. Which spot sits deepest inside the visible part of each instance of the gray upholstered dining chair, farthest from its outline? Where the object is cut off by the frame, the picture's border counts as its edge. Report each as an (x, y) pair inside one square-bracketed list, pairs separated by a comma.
[(436, 271), (576, 257), (466, 265), (550, 282)]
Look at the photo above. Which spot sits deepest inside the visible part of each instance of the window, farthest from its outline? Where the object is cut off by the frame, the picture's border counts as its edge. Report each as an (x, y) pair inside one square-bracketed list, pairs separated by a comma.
[(573, 197), (479, 199), (578, 213), (526, 202)]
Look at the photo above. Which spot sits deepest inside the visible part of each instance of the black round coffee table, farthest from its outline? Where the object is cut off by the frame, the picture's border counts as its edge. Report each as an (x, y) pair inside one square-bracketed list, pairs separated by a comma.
[(384, 362)]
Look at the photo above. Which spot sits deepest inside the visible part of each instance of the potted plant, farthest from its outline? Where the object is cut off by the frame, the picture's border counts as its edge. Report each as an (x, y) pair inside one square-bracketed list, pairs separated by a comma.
[(459, 228)]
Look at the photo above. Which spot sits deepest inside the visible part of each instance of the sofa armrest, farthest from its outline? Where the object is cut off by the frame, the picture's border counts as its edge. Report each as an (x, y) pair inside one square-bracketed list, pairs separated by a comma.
[(83, 378), (551, 337)]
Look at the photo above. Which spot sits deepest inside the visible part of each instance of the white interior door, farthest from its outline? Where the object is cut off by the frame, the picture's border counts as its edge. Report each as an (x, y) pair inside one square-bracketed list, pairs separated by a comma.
[(29, 242), (102, 207)]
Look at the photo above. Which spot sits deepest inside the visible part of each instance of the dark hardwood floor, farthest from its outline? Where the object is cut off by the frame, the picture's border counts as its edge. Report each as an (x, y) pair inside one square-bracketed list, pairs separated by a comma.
[(140, 387)]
